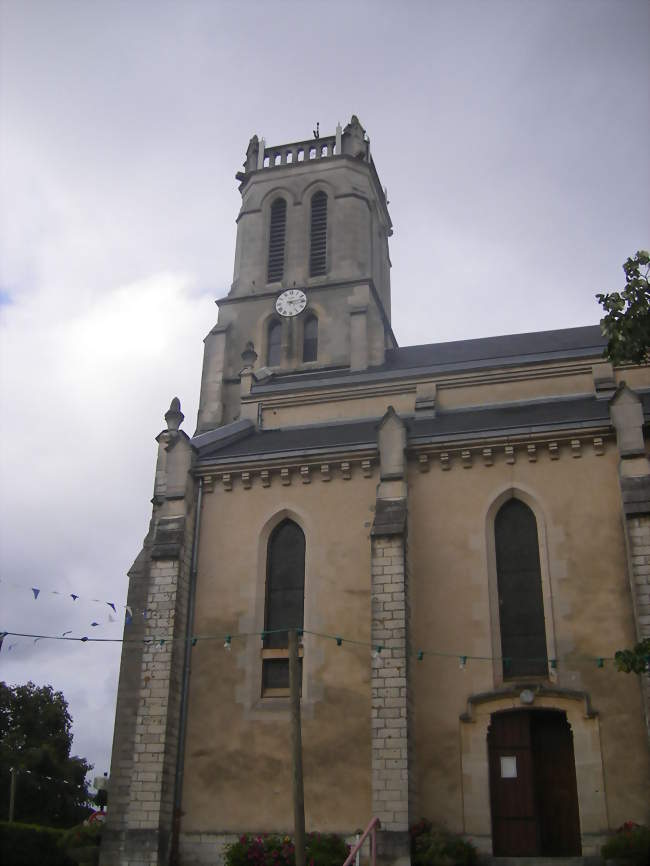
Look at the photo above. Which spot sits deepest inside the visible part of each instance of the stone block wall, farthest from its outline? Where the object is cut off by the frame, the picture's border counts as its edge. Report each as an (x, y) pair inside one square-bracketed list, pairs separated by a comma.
[(390, 697), (146, 740), (638, 543)]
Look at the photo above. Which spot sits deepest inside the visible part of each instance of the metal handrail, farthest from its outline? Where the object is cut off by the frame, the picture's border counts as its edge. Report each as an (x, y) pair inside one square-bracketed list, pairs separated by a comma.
[(370, 830)]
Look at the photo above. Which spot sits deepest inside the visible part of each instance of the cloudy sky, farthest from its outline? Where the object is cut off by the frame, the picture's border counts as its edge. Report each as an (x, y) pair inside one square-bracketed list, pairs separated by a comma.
[(512, 136)]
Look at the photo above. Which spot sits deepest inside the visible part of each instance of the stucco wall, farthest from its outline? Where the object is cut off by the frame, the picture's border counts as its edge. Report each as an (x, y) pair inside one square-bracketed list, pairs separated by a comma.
[(237, 772), (587, 608)]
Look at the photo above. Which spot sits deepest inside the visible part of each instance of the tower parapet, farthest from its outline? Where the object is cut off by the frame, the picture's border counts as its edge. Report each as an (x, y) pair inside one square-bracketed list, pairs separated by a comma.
[(351, 141)]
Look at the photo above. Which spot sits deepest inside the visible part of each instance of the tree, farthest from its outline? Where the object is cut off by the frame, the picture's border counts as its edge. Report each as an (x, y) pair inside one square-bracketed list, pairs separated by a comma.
[(627, 321), (35, 739), (636, 660)]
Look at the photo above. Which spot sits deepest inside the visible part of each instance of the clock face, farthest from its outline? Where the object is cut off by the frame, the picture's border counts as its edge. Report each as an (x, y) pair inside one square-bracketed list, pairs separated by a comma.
[(291, 303)]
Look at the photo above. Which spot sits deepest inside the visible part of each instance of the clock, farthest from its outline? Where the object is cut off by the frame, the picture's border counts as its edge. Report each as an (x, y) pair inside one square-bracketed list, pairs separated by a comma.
[(291, 303)]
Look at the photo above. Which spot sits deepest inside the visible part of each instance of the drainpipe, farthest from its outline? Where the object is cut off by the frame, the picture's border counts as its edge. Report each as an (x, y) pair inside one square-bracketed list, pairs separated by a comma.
[(187, 664)]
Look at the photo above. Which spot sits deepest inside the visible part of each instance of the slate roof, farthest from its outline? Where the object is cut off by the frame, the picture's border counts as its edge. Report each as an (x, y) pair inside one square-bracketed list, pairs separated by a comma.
[(544, 416), (504, 351), (240, 441), (296, 439)]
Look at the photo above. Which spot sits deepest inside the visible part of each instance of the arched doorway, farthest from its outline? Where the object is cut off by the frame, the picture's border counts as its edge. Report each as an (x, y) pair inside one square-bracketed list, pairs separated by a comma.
[(533, 792)]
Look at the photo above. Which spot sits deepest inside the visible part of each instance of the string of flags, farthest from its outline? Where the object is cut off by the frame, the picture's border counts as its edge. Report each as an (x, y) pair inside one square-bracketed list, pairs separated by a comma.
[(375, 649), (112, 616), (37, 591), (130, 613)]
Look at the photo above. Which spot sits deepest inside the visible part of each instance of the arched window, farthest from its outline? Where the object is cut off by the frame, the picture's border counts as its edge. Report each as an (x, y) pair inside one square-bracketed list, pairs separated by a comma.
[(274, 344), (285, 599), (310, 339), (318, 236), (521, 603), (276, 240)]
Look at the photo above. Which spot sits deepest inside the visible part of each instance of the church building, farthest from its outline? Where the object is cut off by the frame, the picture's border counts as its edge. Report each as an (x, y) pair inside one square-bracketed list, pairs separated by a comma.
[(460, 531)]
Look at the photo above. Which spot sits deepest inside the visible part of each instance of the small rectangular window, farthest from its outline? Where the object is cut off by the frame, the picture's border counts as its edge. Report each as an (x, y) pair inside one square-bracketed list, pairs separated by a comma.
[(275, 674)]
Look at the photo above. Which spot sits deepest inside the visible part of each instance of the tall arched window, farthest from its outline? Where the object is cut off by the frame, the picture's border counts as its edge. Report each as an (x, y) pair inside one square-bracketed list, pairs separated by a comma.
[(276, 240), (274, 344), (519, 580), (318, 236), (285, 600), (310, 339)]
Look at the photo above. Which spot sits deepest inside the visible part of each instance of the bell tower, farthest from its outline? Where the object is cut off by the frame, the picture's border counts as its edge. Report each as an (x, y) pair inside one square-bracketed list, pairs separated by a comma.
[(311, 283)]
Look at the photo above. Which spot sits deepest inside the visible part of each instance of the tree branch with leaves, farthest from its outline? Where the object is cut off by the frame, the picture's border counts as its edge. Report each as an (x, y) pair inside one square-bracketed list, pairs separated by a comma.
[(627, 321)]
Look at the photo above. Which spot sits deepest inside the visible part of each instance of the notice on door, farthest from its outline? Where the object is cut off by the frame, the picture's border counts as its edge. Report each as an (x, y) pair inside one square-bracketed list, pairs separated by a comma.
[(508, 767)]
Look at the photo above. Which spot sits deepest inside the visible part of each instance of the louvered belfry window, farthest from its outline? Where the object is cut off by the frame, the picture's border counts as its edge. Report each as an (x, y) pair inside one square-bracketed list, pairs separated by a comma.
[(285, 601), (521, 603), (276, 240), (318, 238)]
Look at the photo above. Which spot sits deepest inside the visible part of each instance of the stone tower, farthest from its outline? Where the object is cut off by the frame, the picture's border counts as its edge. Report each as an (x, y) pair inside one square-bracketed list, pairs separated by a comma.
[(300, 202)]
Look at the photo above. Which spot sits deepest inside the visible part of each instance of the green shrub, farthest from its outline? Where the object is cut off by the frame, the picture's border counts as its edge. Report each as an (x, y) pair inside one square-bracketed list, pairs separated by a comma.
[(273, 849), (631, 843), (82, 835), (325, 849), (81, 843), (432, 845), (30, 844)]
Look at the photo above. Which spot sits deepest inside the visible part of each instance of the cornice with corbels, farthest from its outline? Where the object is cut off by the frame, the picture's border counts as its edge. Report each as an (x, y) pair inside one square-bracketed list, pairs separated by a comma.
[(266, 473), (299, 473), (509, 453)]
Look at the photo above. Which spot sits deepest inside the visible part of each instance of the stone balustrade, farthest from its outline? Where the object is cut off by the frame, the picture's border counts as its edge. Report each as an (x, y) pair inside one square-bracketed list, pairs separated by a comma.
[(299, 151)]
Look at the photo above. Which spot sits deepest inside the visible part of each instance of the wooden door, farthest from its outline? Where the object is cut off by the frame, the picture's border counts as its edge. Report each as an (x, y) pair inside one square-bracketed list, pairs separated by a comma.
[(555, 782), (533, 792), (512, 790)]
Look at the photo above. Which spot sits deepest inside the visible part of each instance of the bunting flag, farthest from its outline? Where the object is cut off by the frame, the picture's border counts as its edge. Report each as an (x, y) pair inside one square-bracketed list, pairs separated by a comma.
[(37, 592)]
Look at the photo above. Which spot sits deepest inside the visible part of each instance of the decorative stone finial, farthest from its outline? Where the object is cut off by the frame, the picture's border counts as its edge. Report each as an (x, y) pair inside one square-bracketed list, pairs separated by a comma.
[(173, 416), (249, 355), (354, 138), (252, 152)]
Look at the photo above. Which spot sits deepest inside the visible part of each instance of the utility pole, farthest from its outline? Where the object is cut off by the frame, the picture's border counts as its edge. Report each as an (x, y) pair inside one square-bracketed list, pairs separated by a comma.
[(296, 749), (12, 794)]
